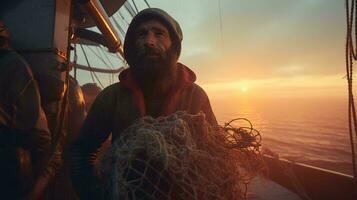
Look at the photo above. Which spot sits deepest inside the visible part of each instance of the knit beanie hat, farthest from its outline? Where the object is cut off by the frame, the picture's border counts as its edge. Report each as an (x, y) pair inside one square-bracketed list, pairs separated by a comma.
[(145, 15)]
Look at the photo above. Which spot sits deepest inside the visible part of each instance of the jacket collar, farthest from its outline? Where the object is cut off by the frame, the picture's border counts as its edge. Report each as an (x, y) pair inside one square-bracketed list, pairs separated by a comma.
[(185, 78)]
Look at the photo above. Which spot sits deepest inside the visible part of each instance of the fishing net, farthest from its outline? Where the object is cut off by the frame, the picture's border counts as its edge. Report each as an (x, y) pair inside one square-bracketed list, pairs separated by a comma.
[(180, 157)]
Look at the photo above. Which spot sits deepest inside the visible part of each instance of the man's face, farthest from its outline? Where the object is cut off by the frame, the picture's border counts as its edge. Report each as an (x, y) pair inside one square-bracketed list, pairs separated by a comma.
[(154, 52), (152, 40)]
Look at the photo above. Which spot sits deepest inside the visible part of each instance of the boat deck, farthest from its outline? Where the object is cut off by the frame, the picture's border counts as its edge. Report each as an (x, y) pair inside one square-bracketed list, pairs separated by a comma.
[(263, 189)]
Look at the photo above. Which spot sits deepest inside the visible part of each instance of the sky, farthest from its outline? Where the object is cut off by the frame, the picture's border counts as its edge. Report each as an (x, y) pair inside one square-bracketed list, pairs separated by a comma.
[(263, 48)]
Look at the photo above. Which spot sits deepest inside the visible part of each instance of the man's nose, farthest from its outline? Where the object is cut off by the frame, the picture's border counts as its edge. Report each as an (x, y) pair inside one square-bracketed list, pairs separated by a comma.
[(150, 40)]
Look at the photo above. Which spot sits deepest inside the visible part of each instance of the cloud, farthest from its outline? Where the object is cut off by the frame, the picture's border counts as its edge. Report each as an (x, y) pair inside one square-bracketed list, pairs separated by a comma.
[(261, 38), (299, 86)]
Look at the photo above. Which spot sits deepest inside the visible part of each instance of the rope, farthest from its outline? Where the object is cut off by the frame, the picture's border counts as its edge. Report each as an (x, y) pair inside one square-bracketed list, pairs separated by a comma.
[(129, 8), (118, 26), (136, 8), (350, 58), (181, 157), (123, 18), (100, 70), (75, 57), (101, 52), (99, 57), (93, 74), (220, 21), (147, 4)]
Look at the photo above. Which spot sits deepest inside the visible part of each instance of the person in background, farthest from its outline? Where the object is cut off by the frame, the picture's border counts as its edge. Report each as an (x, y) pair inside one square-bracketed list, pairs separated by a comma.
[(25, 140), (90, 92), (155, 84)]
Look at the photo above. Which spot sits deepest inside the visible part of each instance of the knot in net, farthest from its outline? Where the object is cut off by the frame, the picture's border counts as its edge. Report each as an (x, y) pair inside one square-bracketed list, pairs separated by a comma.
[(180, 156)]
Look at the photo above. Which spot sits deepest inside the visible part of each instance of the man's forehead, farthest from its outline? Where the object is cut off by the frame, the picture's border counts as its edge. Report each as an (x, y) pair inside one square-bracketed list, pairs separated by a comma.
[(152, 24)]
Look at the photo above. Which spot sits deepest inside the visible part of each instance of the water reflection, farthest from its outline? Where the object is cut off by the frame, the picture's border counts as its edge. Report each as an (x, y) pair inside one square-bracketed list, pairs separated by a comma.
[(313, 131)]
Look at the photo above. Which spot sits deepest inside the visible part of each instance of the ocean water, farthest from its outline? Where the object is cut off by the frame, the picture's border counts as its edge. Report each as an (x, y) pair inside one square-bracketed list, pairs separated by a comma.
[(311, 131)]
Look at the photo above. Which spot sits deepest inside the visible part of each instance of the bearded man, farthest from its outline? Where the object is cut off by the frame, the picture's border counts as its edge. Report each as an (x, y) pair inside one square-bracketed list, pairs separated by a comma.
[(155, 84)]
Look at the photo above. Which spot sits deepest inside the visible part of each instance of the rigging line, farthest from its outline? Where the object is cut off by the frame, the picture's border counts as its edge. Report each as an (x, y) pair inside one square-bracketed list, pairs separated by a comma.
[(118, 26), (351, 29), (352, 103), (349, 60), (118, 56), (123, 18), (75, 56), (114, 55), (136, 8), (100, 51), (220, 21), (352, 112), (87, 62), (100, 58), (130, 9), (100, 70), (353, 49), (147, 3), (355, 52), (349, 65), (95, 75), (352, 58), (116, 22)]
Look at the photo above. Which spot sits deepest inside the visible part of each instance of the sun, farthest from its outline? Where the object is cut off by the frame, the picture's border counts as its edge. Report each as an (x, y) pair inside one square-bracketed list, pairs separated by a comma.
[(243, 89)]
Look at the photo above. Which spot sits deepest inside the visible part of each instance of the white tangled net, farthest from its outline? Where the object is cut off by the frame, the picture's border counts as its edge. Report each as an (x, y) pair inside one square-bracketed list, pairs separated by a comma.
[(180, 157)]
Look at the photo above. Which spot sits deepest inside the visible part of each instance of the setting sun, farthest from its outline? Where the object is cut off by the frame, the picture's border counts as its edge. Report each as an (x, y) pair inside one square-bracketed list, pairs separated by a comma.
[(243, 89)]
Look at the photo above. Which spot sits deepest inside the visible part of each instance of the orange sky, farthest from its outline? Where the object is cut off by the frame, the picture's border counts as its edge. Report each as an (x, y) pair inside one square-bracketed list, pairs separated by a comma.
[(271, 48)]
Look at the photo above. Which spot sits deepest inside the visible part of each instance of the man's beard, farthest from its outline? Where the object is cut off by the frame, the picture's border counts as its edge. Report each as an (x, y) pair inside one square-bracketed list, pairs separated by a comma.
[(154, 64)]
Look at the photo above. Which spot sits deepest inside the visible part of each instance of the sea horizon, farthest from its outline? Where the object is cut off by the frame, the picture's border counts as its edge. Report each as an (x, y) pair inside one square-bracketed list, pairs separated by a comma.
[(310, 130)]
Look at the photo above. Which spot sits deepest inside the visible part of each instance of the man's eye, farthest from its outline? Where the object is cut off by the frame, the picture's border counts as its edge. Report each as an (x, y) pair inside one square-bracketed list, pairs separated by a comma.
[(141, 33), (160, 33)]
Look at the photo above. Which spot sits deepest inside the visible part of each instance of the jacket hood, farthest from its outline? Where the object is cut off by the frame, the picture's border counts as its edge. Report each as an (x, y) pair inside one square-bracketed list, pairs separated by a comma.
[(145, 15), (185, 78)]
